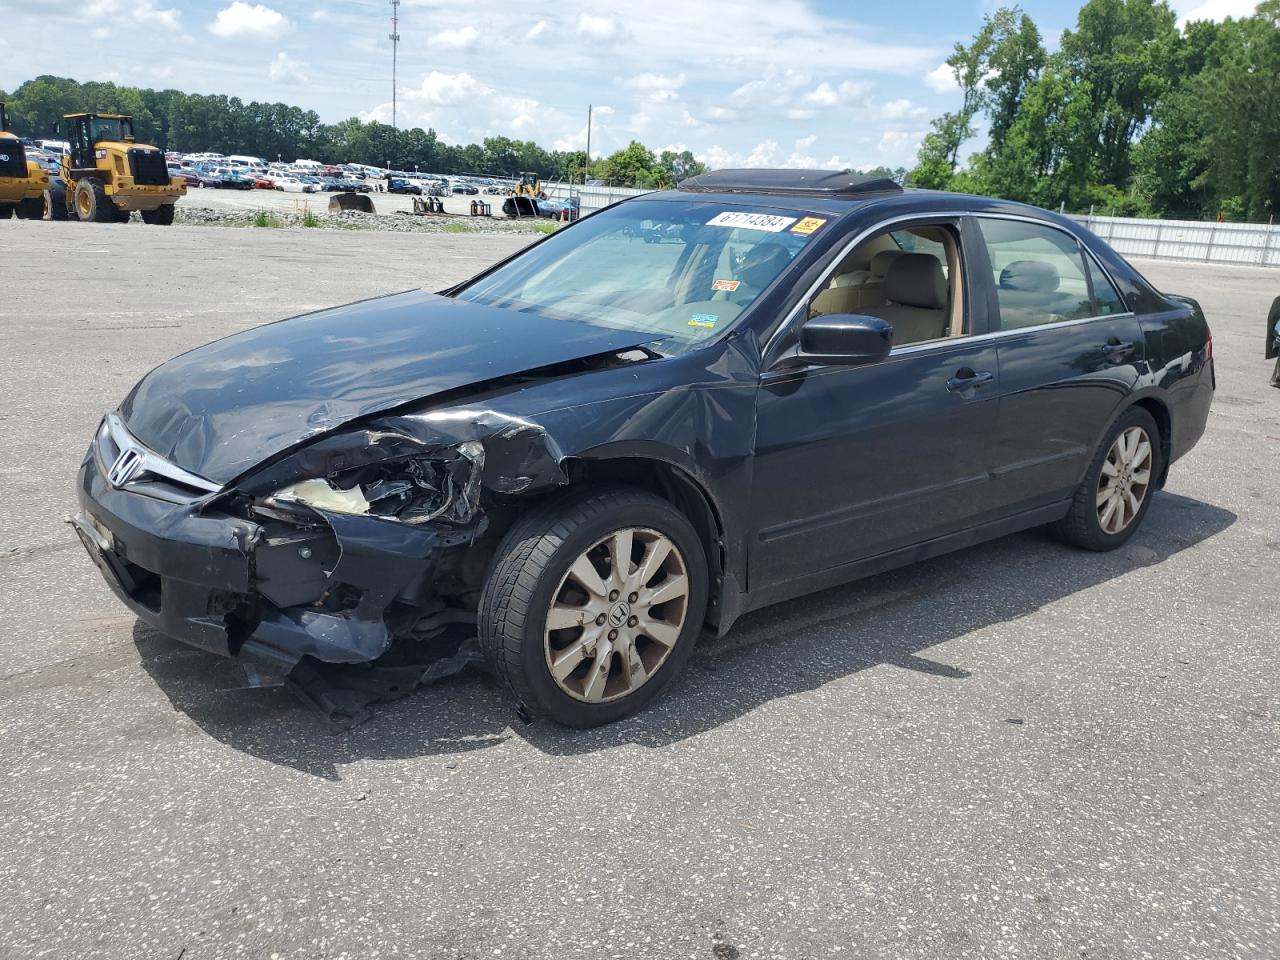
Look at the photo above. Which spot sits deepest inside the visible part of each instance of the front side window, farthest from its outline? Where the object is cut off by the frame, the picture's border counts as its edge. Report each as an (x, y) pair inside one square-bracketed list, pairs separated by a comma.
[(909, 276), (683, 271), (1039, 274)]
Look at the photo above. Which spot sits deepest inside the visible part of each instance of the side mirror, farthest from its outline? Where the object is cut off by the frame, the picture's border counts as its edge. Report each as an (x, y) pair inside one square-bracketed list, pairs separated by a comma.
[(845, 339)]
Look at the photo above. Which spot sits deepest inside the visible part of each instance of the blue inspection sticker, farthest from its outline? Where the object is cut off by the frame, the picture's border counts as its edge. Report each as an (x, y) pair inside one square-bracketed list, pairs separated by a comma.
[(703, 320)]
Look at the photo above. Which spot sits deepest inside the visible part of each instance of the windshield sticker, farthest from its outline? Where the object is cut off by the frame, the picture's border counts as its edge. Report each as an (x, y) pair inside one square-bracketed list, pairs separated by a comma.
[(751, 221), (729, 285), (703, 320), (808, 225)]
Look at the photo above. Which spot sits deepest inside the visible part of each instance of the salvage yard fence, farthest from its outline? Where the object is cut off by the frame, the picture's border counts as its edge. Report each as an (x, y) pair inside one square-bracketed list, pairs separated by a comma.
[(1256, 244)]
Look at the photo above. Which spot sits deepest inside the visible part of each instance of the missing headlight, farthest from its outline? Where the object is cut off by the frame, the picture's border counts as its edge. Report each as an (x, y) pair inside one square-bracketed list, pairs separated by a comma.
[(444, 487)]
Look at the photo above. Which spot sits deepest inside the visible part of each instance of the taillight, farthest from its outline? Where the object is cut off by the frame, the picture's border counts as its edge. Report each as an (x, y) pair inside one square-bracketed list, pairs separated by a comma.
[(1208, 346)]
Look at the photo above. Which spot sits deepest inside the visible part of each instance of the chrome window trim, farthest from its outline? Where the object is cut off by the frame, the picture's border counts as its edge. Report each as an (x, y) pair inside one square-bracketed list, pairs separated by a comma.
[(882, 225)]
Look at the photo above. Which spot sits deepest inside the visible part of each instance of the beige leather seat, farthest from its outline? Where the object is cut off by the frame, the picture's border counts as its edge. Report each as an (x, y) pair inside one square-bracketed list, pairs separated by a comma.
[(916, 294)]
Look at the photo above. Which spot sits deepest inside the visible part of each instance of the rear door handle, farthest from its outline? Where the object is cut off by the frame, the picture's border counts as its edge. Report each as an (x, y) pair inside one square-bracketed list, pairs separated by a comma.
[(1114, 348), (966, 379)]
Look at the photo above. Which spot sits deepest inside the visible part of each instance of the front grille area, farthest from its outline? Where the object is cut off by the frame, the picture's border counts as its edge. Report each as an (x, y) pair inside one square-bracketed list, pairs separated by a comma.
[(148, 167), (13, 158), (150, 474)]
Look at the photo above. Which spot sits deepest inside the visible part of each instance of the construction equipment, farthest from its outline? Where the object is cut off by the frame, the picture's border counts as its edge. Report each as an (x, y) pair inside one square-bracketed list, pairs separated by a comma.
[(351, 203), (22, 181), (107, 174), (529, 185)]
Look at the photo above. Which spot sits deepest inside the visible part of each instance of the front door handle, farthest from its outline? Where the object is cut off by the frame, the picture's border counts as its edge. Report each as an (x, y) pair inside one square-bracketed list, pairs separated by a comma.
[(966, 379)]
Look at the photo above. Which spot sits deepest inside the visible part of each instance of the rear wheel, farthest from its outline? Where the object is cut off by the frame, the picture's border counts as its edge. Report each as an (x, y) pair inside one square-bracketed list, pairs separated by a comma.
[(92, 202), (161, 216), (55, 202), (594, 604), (1112, 500), (31, 209)]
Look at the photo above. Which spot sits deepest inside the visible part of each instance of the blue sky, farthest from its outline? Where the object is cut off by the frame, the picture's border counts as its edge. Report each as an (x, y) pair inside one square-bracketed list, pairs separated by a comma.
[(787, 82)]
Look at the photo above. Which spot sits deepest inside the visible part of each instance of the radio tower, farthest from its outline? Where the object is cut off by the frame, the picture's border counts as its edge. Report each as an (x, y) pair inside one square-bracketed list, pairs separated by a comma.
[(394, 37)]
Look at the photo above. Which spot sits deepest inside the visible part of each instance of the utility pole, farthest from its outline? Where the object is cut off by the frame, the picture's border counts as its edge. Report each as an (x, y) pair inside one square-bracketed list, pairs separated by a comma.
[(587, 166), (394, 37)]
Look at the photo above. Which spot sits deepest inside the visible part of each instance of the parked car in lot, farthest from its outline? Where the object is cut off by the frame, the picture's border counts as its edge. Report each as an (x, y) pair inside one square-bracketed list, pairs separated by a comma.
[(294, 185), (599, 447), (1272, 350), (403, 186), (465, 188), (263, 181)]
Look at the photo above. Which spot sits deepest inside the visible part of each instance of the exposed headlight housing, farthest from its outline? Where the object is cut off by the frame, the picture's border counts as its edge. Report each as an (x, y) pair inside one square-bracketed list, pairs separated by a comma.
[(411, 489)]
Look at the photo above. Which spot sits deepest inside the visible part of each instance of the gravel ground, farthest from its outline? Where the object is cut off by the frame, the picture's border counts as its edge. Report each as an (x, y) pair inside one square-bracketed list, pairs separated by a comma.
[(1017, 751)]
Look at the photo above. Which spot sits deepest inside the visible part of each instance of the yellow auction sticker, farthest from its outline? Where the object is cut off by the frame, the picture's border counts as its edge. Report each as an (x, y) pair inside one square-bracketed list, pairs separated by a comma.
[(808, 225)]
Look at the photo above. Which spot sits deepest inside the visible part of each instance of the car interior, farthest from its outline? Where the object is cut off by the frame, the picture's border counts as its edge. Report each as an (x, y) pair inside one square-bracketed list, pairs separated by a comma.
[(910, 277)]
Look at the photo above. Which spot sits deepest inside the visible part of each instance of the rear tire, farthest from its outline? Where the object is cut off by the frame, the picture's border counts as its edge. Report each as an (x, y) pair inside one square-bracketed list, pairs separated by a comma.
[(31, 209), (617, 650), (161, 216), (1112, 500), (92, 203), (55, 202)]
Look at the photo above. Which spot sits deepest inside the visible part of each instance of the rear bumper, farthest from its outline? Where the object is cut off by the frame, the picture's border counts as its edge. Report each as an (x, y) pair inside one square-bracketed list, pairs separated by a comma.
[(268, 593)]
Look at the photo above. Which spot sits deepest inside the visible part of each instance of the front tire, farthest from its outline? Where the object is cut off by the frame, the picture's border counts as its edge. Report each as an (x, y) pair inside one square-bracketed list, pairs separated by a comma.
[(594, 604), (92, 203), (1112, 500)]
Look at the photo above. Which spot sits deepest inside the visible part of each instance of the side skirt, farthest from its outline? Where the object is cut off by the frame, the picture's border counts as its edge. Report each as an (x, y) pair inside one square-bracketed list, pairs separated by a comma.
[(859, 569)]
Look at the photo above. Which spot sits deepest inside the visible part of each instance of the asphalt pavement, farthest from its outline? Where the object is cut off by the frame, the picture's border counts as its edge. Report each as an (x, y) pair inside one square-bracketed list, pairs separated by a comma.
[(1021, 750)]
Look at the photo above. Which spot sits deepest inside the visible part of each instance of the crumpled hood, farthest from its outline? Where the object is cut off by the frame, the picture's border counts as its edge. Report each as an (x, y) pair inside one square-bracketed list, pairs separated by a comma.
[(227, 406)]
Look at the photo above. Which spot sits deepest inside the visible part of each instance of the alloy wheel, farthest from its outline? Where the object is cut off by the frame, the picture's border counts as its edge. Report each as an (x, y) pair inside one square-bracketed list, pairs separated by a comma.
[(1125, 480), (616, 615)]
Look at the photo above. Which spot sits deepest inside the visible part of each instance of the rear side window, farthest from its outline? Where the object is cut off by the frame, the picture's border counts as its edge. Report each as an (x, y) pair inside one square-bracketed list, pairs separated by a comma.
[(1039, 274), (1106, 298)]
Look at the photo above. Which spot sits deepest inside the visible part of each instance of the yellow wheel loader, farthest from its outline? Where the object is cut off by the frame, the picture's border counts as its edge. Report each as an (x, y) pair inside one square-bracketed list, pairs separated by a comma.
[(107, 174), (22, 181)]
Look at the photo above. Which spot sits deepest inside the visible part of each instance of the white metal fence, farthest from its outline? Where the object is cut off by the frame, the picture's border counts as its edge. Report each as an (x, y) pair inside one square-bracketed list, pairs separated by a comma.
[(593, 198), (1248, 243)]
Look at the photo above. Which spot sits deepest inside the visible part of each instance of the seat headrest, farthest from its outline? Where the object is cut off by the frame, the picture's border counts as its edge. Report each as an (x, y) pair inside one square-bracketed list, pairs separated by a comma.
[(916, 280), (762, 263), (1030, 276), (880, 262), (853, 278)]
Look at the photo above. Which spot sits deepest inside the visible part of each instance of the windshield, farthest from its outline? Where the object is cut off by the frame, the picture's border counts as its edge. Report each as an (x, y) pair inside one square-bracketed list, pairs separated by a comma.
[(684, 271), (102, 128)]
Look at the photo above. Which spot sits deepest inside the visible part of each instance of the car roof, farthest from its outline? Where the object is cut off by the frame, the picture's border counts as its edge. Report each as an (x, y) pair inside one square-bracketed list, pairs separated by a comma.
[(795, 191)]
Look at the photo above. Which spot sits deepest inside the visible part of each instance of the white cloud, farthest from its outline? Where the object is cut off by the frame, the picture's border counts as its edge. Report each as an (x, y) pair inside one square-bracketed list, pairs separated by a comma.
[(285, 69), (463, 38), (1216, 10), (144, 13), (898, 148), (447, 89), (941, 79), (899, 109), (382, 114), (598, 28), (320, 15), (656, 86), (539, 29), (804, 143), (256, 22)]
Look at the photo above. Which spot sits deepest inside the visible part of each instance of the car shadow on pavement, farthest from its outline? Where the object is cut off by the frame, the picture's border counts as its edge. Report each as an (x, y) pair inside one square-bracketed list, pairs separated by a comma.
[(891, 619)]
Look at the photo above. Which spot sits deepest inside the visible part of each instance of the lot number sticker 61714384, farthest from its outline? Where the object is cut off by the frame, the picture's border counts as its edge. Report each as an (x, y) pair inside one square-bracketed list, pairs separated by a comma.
[(767, 222)]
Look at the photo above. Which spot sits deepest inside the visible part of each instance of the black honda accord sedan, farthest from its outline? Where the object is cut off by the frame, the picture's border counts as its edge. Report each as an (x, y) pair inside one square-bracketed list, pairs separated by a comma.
[(586, 455)]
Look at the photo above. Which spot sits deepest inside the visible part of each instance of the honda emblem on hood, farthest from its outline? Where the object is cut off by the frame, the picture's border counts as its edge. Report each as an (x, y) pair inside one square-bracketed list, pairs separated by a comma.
[(125, 467)]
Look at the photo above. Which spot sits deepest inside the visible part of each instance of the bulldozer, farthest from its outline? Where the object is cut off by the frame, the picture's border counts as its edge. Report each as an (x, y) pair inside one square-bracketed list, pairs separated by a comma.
[(107, 174), (22, 181)]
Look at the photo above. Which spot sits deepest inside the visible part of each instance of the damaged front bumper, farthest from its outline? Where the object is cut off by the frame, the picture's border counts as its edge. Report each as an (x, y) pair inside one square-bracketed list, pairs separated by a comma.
[(269, 593)]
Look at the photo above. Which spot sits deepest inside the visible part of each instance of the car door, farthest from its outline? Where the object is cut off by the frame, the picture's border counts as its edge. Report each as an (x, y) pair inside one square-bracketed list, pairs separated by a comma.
[(856, 461), (1070, 351)]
